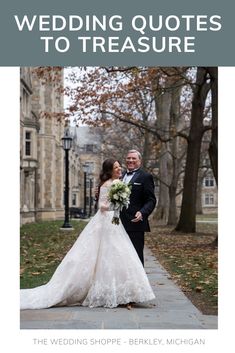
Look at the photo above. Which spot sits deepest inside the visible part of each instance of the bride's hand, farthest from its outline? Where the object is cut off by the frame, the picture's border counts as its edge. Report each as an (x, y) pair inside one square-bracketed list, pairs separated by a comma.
[(104, 208)]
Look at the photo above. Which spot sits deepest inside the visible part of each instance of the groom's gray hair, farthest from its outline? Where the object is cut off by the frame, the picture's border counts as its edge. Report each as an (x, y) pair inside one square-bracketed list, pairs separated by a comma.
[(135, 151)]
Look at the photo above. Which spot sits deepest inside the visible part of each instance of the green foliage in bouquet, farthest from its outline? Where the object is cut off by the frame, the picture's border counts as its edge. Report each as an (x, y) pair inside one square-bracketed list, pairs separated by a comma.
[(119, 197)]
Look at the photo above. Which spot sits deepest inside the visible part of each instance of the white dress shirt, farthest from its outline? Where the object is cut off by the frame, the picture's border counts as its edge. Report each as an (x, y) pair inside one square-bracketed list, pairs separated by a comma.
[(127, 178)]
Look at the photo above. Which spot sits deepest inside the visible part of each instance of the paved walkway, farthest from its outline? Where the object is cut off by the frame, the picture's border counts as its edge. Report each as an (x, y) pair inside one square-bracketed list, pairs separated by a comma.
[(170, 310)]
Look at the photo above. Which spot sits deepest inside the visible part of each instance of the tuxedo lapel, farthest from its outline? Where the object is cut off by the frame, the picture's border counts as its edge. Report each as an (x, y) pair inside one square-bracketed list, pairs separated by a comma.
[(135, 176)]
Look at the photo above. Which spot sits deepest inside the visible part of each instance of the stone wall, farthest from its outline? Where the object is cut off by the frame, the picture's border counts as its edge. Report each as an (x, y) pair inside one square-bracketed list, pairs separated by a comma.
[(42, 171)]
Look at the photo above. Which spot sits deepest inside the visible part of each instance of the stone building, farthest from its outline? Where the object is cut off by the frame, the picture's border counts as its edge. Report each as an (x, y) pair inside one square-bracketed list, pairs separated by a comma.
[(29, 129), (41, 154), (207, 190), (87, 143), (209, 194)]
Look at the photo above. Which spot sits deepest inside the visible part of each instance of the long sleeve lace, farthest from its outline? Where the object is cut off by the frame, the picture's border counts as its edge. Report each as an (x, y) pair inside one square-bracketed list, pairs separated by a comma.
[(103, 203)]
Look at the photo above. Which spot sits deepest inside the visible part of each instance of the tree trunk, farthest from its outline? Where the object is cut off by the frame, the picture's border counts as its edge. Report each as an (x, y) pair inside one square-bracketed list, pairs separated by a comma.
[(187, 220), (163, 200), (163, 103), (213, 148), (199, 195), (175, 124), (172, 218), (146, 150)]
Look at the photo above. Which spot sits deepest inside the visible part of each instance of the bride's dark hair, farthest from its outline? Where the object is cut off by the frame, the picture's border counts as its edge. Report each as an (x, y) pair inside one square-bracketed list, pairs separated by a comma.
[(106, 172)]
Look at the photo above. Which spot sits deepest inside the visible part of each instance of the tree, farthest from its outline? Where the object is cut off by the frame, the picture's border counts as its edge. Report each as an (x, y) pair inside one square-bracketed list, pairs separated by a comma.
[(187, 220), (145, 98), (213, 148), (150, 100)]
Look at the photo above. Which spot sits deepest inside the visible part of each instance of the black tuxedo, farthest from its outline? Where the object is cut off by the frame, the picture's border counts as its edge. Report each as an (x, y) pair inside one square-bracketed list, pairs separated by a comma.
[(142, 199)]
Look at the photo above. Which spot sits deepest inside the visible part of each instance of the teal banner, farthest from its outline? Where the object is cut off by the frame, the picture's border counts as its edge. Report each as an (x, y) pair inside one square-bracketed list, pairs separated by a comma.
[(150, 32)]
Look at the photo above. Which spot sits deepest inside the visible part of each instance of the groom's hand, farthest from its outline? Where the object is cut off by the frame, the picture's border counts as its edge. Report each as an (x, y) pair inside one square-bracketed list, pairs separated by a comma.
[(138, 217)]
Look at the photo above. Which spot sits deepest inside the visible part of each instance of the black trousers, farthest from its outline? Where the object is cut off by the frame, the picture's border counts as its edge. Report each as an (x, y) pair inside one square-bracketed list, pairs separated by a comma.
[(137, 239)]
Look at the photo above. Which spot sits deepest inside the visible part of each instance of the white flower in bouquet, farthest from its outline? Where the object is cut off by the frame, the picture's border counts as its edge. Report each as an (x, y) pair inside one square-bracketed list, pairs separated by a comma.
[(119, 197)]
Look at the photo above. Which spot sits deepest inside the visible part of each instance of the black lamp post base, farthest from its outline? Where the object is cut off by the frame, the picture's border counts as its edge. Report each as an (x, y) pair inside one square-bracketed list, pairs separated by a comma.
[(66, 226)]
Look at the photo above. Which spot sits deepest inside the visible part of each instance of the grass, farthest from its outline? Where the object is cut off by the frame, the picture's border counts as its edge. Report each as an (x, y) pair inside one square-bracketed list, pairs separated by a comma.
[(191, 260), (207, 217), (42, 247)]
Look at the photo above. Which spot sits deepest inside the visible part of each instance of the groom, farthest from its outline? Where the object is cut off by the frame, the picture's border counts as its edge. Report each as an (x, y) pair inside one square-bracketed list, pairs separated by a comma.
[(142, 201)]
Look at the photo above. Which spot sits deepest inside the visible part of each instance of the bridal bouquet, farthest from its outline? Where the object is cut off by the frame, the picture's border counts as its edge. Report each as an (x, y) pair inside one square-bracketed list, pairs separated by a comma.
[(119, 196)]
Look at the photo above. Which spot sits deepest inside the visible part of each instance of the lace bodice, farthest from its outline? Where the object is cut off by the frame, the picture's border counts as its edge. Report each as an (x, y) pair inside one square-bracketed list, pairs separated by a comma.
[(103, 196)]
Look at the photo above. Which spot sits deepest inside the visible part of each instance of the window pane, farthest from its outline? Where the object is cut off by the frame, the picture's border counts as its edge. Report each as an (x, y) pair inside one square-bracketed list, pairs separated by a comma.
[(27, 135), (27, 148), (209, 181), (74, 200), (209, 199)]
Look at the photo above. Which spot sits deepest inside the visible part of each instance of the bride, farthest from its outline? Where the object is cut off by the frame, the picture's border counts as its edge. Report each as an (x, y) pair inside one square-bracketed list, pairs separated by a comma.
[(102, 269)]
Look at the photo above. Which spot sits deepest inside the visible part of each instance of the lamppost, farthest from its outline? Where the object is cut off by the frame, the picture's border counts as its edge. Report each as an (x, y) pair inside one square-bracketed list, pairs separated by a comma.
[(67, 144), (85, 170), (90, 194)]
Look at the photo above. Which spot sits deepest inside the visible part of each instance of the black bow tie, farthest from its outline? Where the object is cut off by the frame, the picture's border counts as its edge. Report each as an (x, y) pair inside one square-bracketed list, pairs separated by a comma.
[(130, 172)]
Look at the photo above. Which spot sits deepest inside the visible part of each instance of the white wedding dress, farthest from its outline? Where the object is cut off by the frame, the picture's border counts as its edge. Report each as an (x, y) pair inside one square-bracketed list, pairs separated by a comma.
[(102, 269)]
